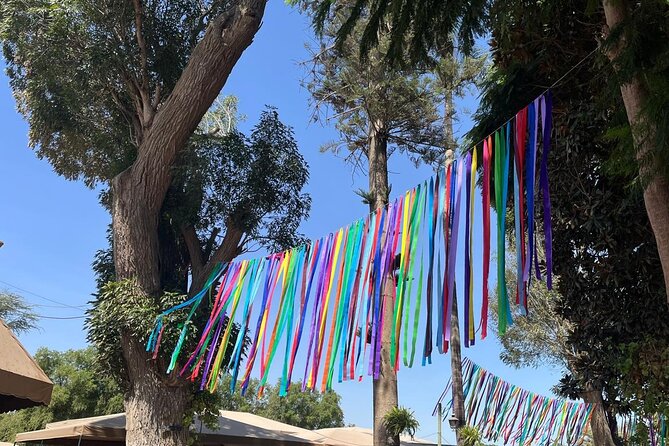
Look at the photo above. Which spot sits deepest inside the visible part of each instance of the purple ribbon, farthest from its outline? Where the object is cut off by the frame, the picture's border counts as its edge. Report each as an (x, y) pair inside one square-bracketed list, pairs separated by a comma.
[(453, 248), (530, 178), (468, 173), (546, 124)]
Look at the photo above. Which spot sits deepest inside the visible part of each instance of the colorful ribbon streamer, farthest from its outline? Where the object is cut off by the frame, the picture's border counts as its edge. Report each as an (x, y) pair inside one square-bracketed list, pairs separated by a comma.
[(505, 413), (326, 300)]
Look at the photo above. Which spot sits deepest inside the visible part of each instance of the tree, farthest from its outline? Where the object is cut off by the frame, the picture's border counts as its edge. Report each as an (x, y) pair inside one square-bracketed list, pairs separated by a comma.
[(14, 312), (637, 45), (308, 410), (601, 246), (113, 91), (378, 110), (81, 389), (638, 48), (251, 186)]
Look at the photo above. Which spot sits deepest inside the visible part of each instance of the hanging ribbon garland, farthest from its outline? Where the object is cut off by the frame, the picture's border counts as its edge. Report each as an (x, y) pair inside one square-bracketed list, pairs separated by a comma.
[(505, 413), (328, 299), (655, 428)]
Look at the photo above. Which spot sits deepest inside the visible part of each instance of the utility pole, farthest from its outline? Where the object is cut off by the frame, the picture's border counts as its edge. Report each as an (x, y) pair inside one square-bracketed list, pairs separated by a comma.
[(440, 417), (458, 418)]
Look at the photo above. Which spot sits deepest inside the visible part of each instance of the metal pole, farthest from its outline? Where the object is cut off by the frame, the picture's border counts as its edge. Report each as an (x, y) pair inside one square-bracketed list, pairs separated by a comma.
[(439, 418)]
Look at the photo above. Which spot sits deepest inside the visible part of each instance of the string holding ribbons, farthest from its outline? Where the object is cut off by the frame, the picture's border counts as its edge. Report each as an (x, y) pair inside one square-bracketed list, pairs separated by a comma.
[(505, 413), (393, 270)]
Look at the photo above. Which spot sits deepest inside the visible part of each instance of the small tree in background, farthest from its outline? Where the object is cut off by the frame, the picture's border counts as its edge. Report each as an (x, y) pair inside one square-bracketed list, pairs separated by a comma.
[(16, 313), (308, 410), (471, 436)]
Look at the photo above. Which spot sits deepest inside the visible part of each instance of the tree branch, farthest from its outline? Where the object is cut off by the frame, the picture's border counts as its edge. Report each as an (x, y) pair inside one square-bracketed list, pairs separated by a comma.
[(193, 245), (147, 105), (139, 191), (209, 246), (229, 248)]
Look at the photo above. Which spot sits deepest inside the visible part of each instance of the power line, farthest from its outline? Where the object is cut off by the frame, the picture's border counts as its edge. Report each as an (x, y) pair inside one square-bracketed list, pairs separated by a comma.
[(553, 85), (39, 316), (61, 304)]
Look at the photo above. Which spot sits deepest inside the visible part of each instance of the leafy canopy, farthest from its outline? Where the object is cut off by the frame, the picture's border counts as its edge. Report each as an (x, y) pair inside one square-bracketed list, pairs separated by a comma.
[(309, 410), (252, 182), (611, 288), (16, 313), (400, 105), (75, 70), (417, 27), (228, 183)]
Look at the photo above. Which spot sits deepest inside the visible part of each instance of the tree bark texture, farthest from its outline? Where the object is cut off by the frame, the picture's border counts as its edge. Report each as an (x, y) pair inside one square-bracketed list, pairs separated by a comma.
[(384, 388), (153, 403), (599, 424), (656, 186), (139, 191), (154, 407)]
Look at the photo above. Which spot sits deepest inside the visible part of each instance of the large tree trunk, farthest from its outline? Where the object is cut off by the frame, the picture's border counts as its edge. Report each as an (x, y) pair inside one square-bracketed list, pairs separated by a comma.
[(153, 404), (385, 387), (656, 186), (599, 423)]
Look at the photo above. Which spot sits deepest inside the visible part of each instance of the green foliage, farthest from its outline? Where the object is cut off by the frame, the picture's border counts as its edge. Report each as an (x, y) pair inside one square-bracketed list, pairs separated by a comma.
[(644, 55), (75, 70), (417, 27), (540, 337), (610, 285), (121, 311), (309, 410), (81, 389), (18, 315), (400, 420), (644, 368), (255, 183), (401, 105), (225, 179), (470, 436)]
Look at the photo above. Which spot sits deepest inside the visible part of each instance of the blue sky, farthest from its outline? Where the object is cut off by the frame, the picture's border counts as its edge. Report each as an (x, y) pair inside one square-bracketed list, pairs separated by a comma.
[(52, 227)]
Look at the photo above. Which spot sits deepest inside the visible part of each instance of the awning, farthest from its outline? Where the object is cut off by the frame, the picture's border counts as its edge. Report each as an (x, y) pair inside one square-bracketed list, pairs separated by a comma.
[(235, 429), (22, 383)]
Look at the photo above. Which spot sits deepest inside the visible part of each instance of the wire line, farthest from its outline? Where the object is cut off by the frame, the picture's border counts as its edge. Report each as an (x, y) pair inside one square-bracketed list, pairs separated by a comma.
[(77, 307)]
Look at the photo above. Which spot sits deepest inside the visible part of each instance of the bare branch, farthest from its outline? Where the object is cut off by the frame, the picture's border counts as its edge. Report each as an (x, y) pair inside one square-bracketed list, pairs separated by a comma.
[(147, 106), (194, 249), (143, 53), (209, 246)]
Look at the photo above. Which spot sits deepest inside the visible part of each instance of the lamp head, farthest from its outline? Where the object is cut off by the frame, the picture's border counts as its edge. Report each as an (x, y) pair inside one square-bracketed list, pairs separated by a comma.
[(454, 422)]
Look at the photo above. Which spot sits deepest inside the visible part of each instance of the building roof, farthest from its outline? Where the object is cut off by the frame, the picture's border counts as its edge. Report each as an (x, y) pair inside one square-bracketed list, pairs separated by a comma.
[(235, 429), (360, 436)]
